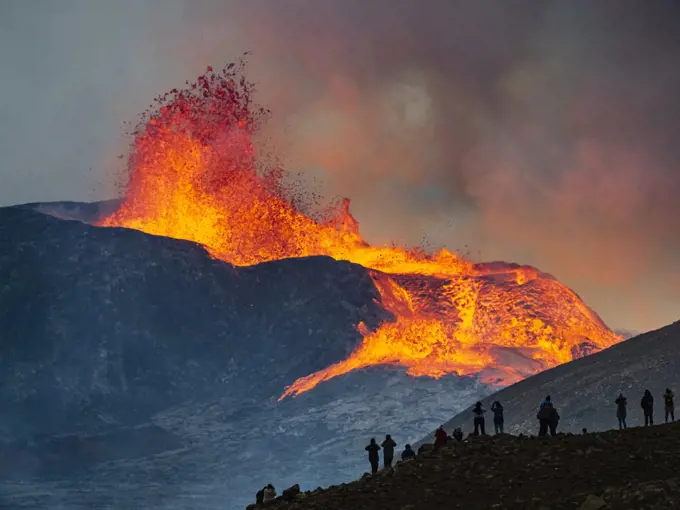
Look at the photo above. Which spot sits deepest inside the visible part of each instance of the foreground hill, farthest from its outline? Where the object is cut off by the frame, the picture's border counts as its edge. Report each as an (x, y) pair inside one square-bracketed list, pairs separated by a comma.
[(636, 468), (584, 390)]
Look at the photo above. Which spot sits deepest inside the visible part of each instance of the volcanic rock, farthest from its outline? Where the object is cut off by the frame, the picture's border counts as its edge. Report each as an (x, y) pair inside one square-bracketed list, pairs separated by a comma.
[(290, 493), (635, 468)]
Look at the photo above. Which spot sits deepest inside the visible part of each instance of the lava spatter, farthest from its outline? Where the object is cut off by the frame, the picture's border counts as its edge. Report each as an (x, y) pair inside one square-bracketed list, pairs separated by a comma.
[(194, 174)]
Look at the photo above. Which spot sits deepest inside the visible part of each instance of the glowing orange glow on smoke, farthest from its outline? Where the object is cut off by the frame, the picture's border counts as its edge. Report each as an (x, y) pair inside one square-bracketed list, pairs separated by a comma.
[(193, 175)]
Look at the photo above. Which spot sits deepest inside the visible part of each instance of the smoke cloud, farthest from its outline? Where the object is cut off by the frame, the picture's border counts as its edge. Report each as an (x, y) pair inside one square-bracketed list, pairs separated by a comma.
[(539, 132)]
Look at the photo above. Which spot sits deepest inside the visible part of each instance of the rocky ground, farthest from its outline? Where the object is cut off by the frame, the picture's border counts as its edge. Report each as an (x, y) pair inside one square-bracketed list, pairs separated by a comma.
[(633, 469)]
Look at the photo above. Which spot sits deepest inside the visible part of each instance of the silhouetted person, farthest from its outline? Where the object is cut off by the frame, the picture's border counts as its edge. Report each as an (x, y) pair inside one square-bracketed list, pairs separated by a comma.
[(497, 410), (373, 457), (555, 421), (584, 430), (647, 404), (669, 404), (621, 403), (478, 414), (548, 418), (408, 453), (457, 434), (440, 437), (259, 497), (388, 450), (269, 493)]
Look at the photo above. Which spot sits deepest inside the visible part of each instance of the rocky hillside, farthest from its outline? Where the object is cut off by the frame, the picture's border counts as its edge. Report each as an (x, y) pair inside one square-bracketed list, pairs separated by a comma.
[(584, 390), (134, 360), (103, 326), (633, 469)]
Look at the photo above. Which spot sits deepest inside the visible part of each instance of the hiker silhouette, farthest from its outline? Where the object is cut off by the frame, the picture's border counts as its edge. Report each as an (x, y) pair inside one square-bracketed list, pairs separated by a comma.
[(373, 458), (440, 437), (497, 410), (548, 418), (478, 413), (621, 403), (408, 453), (669, 404), (388, 450)]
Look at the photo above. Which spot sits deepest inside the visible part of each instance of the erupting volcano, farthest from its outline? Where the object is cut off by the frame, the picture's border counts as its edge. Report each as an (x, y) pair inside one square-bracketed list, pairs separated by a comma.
[(194, 174)]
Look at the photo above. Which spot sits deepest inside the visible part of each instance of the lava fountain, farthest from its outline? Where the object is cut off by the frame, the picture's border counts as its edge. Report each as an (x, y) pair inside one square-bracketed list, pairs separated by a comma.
[(194, 174)]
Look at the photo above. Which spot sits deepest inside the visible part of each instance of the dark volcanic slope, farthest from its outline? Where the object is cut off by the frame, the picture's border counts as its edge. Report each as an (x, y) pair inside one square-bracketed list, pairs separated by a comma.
[(107, 326), (584, 390), (160, 369), (636, 468)]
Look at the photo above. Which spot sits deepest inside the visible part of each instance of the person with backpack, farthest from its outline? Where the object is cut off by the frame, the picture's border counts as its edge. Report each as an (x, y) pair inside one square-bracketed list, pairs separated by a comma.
[(440, 437), (621, 403), (457, 434), (669, 404), (388, 450), (408, 453), (373, 457), (548, 418), (497, 410), (647, 405), (478, 414)]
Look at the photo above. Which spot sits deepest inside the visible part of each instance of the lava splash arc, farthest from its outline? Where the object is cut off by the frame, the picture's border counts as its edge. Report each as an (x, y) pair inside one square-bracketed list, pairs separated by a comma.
[(194, 174)]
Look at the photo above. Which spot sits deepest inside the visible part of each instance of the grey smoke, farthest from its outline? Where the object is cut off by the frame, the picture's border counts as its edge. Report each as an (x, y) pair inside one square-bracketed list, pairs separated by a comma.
[(540, 132)]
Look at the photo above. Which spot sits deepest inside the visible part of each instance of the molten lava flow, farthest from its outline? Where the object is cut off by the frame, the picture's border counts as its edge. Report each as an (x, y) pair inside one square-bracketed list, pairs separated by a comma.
[(193, 175)]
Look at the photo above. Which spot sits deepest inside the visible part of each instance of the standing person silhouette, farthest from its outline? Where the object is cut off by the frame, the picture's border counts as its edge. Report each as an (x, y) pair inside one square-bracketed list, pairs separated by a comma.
[(647, 404), (669, 404), (388, 450), (373, 457), (478, 413), (498, 420), (621, 412), (440, 437)]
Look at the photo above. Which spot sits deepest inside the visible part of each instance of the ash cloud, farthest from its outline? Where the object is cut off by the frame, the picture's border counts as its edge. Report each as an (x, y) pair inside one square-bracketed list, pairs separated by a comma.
[(541, 132)]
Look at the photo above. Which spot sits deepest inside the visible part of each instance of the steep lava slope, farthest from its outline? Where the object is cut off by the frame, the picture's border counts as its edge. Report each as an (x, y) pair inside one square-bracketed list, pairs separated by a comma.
[(194, 174), (636, 468)]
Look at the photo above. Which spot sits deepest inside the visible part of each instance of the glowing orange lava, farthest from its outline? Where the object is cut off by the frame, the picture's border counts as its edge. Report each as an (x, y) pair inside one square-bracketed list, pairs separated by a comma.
[(193, 175)]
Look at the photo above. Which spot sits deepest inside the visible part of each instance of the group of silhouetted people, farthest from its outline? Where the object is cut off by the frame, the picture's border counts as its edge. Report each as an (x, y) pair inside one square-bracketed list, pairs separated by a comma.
[(388, 446), (647, 405), (548, 419), (547, 416)]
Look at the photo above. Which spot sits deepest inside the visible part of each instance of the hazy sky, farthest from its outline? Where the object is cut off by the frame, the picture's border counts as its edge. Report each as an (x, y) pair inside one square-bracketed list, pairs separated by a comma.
[(543, 132)]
